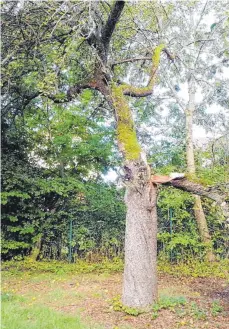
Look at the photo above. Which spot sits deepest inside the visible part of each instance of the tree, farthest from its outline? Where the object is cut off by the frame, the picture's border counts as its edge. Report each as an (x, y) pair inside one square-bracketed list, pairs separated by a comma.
[(47, 165), (195, 65), (20, 207), (100, 43), (73, 152)]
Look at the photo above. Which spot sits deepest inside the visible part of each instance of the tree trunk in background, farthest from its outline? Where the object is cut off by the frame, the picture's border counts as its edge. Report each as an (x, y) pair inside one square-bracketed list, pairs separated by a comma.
[(191, 169), (140, 273), (40, 245), (202, 226)]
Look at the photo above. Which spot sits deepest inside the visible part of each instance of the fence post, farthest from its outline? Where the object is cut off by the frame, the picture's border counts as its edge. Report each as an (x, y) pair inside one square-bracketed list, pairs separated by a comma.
[(171, 229), (70, 242)]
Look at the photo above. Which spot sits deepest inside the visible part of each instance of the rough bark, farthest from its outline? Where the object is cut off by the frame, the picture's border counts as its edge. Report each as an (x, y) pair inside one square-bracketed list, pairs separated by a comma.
[(140, 274), (101, 37), (191, 169), (140, 280)]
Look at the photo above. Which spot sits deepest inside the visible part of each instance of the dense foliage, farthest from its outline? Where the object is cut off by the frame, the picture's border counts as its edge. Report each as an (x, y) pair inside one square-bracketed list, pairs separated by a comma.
[(57, 151)]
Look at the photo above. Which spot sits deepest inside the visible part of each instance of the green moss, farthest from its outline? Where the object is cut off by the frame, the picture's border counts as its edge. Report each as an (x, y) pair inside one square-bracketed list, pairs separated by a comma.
[(198, 180), (125, 126), (157, 55), (119, 307), (135, 90)]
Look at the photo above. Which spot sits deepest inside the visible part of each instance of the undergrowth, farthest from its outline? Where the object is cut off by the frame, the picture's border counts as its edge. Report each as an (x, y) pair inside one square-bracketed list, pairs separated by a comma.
[(176, 304), (58, 267), (216, 308), (196, 268), (167, 302), (192, 268), (117, 305)]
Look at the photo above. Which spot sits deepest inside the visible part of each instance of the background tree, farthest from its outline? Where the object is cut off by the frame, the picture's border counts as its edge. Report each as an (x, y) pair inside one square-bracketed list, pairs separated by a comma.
[(55, 155), (195, 70), (21, 208)]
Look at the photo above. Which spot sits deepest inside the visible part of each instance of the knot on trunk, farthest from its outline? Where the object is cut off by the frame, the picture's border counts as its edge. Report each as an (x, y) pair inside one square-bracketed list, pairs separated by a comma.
[(137, 173)]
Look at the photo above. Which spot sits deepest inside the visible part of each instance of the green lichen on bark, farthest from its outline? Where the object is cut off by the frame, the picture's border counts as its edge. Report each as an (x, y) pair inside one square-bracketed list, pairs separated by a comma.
[(157, 55), (126, 133), (155, 63)]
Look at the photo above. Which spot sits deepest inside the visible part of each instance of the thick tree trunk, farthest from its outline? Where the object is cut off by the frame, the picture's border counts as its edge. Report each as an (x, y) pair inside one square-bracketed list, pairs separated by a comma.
[(191, 169), (140, 279), (140, 273)]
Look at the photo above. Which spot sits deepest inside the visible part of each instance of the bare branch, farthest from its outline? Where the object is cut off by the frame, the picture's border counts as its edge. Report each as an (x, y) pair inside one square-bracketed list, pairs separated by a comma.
[(195, 41), (169, 85), (131, 60), (201, 16), (23, 100), (112, 20), (100, 38), (204, 42)]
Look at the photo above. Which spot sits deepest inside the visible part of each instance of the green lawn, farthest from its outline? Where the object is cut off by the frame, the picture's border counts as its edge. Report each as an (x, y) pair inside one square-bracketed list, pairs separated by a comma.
[(18, 314)]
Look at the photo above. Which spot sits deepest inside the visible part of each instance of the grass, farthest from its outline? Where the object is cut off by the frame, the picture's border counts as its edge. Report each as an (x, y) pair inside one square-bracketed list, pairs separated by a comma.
[(169, 302), (53, 295), (17, 314), (216, 308)]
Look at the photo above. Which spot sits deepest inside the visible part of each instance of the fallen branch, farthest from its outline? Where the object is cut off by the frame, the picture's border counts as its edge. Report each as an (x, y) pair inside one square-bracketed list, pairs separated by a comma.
[(214, 193)]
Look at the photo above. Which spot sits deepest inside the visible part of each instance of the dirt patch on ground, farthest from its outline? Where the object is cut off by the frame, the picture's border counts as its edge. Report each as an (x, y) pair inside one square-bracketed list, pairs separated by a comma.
[(99, 292), (90, 295), (216, 289)]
